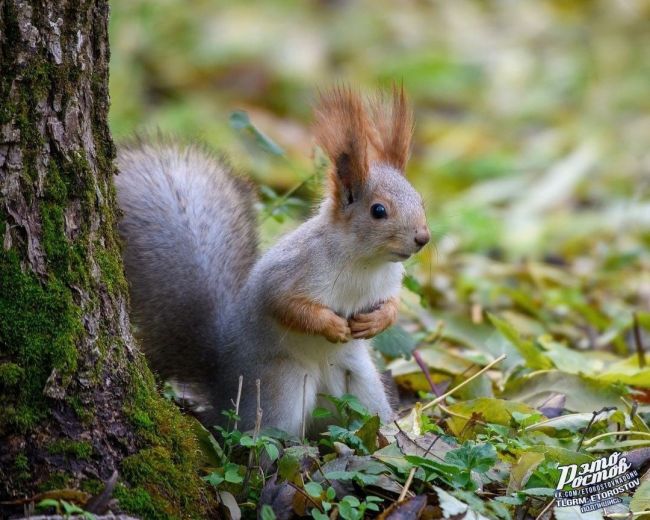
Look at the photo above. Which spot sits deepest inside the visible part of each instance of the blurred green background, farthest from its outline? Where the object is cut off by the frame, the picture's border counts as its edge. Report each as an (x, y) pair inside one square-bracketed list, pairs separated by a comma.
[(532, 136)]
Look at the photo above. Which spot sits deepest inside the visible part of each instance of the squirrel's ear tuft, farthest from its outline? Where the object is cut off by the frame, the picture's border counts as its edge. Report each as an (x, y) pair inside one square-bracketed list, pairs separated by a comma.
[(341, 129), (392, 128)]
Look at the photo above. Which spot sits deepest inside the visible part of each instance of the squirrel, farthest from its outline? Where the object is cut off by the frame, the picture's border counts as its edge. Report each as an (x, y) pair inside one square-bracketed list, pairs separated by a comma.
[(207, 309)]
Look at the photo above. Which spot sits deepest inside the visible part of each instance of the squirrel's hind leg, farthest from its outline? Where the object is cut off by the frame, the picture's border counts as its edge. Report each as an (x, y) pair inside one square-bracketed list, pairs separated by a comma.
[(361, 379), (286, 394)]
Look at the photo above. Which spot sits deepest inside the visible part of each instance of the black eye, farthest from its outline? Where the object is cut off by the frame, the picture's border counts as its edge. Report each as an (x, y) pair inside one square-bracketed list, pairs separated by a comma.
[(378, 211)]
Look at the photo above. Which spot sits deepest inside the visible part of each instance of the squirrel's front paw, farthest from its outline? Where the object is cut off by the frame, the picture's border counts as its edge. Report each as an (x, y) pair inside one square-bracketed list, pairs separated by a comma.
[(366, 326), (336, 329)]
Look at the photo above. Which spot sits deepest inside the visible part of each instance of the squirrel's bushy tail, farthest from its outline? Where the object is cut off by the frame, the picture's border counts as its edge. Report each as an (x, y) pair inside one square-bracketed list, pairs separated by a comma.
[(190, 241)]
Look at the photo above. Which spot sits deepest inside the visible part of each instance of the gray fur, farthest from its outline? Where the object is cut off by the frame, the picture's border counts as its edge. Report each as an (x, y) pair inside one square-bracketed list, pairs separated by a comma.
[(201, 298)]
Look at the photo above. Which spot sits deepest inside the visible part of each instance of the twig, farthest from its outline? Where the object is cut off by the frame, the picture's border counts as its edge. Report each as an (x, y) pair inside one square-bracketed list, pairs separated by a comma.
[(258, 412), (470, 379), (407, 485), (545, 510), (256, 432), (241, 382), (640, 351), (610, 434), (304, 406), (591, 422), (320, 470), (425, 370)]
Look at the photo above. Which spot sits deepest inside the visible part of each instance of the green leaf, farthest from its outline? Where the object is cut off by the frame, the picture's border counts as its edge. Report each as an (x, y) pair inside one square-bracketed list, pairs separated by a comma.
[(627, 372), (321, 413), (533, 357), (353, 501), (583, 394), (522, 470), (208, 445), (561, 455), (267, 512), (289, 467), (395, 342), (272, 451), (491, 410), (574, 361), (641, 498), (368, 433), (393, 456), (232, 474), (362, 478), (214, 478), (70, 508), (317, 515), (449, 473), (450, 506), (240, 121), (571, 422), (48, 502), (348, 512), (413, 285), (246, 441), (313, 489), (355, 405), (473, 457)]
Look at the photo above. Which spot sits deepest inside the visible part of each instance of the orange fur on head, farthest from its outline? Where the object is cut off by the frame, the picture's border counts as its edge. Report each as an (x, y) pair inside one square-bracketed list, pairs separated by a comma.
[(392, 128), (341, 129)]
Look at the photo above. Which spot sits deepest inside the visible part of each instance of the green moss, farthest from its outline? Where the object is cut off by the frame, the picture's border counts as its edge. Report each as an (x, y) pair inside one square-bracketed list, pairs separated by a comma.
[(140, 503), (83, 411), (10, 374), (92, 486), (166, 466), (78, 449), (40, 325), (21, 468), (21, 462), (110, 264), (56, 480)]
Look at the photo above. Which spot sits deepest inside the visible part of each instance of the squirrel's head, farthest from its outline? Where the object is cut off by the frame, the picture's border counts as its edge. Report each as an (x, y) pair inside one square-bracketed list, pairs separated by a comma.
[(368, 195)]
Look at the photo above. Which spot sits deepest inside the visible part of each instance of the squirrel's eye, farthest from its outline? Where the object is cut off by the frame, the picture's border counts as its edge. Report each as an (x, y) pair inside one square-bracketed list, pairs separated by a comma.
[(378, 211)]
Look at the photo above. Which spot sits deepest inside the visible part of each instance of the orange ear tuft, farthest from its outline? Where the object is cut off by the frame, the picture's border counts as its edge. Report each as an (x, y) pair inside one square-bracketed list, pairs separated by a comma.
[(392, 128), (341, 129)]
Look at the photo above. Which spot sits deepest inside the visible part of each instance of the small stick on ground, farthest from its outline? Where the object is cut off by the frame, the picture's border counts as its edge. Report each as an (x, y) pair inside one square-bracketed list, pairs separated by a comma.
[(258, 412), (427, 375), (256, 432), (237, 402), (304, 406), (545, 510), (591, 422), (640, 351), (406, 487)]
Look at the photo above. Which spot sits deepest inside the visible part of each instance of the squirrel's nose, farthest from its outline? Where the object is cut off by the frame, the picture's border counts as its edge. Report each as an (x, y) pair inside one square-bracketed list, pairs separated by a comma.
[(422, 237)]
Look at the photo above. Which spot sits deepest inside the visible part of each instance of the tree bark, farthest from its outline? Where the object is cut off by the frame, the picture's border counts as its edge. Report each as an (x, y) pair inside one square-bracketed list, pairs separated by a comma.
[(76, 398)]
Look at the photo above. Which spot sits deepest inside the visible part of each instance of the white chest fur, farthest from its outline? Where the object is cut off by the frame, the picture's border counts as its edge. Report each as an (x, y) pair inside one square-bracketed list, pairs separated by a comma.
[(358, 289), (354, 291)]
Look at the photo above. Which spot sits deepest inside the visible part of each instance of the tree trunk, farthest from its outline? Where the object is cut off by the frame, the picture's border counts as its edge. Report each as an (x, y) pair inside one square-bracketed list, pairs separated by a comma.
[(76, 398)]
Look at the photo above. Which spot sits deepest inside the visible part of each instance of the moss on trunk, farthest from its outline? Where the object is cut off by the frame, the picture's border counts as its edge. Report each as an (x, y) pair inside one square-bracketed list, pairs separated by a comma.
[(76, 398)]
